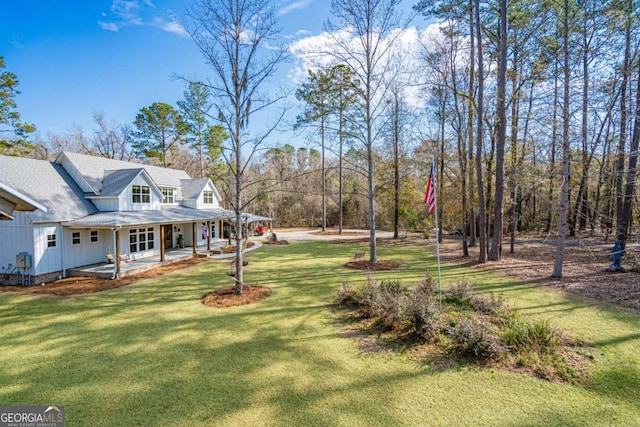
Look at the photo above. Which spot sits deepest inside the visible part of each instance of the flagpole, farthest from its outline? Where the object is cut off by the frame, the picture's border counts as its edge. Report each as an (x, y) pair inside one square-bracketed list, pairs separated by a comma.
[(435, 197)]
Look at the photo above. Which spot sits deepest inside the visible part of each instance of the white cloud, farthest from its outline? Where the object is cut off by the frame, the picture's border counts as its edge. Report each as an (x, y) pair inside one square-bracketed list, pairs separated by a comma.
[(139, 13), (296, 5), (109, 26), (314, 52), (170, 26)]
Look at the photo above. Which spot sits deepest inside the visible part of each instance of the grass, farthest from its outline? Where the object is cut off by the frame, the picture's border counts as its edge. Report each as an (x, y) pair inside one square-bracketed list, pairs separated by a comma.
[(152, 354)]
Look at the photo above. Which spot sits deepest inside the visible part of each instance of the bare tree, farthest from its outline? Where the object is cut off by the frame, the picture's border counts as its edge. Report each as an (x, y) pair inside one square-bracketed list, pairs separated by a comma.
[(479, 139), (233, 36), (564, 189), (110, 139), (363, 38)]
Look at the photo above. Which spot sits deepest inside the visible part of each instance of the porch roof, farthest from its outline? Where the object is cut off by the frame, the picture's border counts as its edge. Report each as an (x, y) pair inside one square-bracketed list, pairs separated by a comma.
[(166, 215)]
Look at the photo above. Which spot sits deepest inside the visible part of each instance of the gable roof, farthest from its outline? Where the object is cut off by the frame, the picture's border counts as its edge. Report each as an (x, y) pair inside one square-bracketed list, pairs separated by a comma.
[(115, 182), (92, 169), (48, 184), (191, 188)]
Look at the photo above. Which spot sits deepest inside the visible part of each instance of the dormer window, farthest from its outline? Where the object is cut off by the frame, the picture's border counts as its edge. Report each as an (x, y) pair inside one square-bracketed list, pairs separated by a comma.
[(169, 197), (140, 194), (207, 195)]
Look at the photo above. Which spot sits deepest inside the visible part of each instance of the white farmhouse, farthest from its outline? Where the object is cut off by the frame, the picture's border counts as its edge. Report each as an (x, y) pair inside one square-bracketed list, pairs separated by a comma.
[(93, 210)]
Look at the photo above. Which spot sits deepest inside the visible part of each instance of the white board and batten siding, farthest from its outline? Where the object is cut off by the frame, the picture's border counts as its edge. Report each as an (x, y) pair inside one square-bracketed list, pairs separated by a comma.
[(15, 236), (200, 202), (125, 199), (47, 255), (85, 247)]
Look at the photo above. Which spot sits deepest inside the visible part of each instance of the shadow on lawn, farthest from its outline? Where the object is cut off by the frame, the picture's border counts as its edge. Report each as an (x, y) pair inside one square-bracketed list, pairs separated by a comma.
[(161, 371), (151, 354)]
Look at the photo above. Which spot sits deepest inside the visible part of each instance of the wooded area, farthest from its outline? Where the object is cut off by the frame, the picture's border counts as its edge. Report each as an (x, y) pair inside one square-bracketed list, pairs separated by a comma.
[(532, 109)]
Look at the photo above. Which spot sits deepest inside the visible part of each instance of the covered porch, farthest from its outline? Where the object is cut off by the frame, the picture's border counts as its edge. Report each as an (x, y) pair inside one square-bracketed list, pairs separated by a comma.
[(142, 240), (128, 268)]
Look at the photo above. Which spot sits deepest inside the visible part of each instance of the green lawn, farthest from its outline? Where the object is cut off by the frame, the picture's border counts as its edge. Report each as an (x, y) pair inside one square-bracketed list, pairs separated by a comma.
[(152, 354)]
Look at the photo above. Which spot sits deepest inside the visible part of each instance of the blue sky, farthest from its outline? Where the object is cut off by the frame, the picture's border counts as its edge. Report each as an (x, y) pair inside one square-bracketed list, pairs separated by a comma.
[(73, 58)]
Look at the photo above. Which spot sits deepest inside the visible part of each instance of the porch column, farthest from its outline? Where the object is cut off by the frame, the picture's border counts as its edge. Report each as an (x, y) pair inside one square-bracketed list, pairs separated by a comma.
[(116, 254), (193, 237), (162, 248), (208, 236)]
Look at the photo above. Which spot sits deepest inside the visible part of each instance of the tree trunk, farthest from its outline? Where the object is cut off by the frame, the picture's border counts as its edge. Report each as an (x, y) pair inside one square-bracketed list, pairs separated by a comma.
[(396, 166), (482, 215), (622, 224), (496, 242), (472, 72), (564, 192), (630, 189)]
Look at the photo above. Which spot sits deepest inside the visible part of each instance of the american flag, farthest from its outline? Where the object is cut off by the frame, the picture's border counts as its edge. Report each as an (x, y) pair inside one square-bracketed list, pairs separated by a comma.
[(430, 195)]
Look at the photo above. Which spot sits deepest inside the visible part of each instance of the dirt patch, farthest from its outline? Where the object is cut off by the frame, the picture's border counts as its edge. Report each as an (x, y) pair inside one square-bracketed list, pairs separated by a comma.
[(87, 285), (379, 265), (226, 297), (582, 274)]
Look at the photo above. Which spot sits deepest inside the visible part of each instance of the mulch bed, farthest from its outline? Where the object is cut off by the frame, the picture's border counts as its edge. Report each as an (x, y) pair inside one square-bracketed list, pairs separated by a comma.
[(87, 285), (582, 271), (231, 249), (344, 233), (226, 297), (379, 265)]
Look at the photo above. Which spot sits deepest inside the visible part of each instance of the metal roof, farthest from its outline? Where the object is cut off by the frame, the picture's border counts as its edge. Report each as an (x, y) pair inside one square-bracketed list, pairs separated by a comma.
[(191, 188), (92, 169), (166, 215), (115, 182)]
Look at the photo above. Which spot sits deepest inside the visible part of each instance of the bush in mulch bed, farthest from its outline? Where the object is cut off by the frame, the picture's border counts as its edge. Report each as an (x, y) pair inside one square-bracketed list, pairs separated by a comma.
[(468, 328)]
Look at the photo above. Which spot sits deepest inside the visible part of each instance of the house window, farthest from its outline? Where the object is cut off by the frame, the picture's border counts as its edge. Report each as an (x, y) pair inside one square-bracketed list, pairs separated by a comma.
[(75, 237), (141, 239), (140, 194), (133, 241), (168, 196), (94, 236), (208, 196), (150, 238), (51, 240)]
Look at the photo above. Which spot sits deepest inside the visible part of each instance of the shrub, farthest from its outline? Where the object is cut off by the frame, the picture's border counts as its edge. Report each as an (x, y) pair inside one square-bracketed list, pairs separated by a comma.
[(347, 296), (426, 286), (531, 335), (370, 297), (471, 338), (390, 310), (459, 293), (389, 302), (488, 305), (423, 316)]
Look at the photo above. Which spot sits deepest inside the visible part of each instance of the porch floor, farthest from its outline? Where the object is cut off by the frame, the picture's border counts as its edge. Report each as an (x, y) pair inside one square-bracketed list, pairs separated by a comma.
[(127, 268)]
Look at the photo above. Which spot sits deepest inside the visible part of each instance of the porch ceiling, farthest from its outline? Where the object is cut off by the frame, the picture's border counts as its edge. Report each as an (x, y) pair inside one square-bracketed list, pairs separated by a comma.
[(166, 215)]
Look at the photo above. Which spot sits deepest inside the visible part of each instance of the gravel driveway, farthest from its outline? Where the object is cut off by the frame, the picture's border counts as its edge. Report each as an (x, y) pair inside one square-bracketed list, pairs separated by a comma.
[(311, 234)]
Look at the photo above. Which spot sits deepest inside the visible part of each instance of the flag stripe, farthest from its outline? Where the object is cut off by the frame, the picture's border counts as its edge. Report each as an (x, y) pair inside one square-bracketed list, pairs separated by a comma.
[(430, 195)]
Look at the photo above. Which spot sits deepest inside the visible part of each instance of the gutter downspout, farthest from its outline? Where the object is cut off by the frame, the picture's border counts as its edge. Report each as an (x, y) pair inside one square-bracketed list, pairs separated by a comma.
[(62, 251)]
